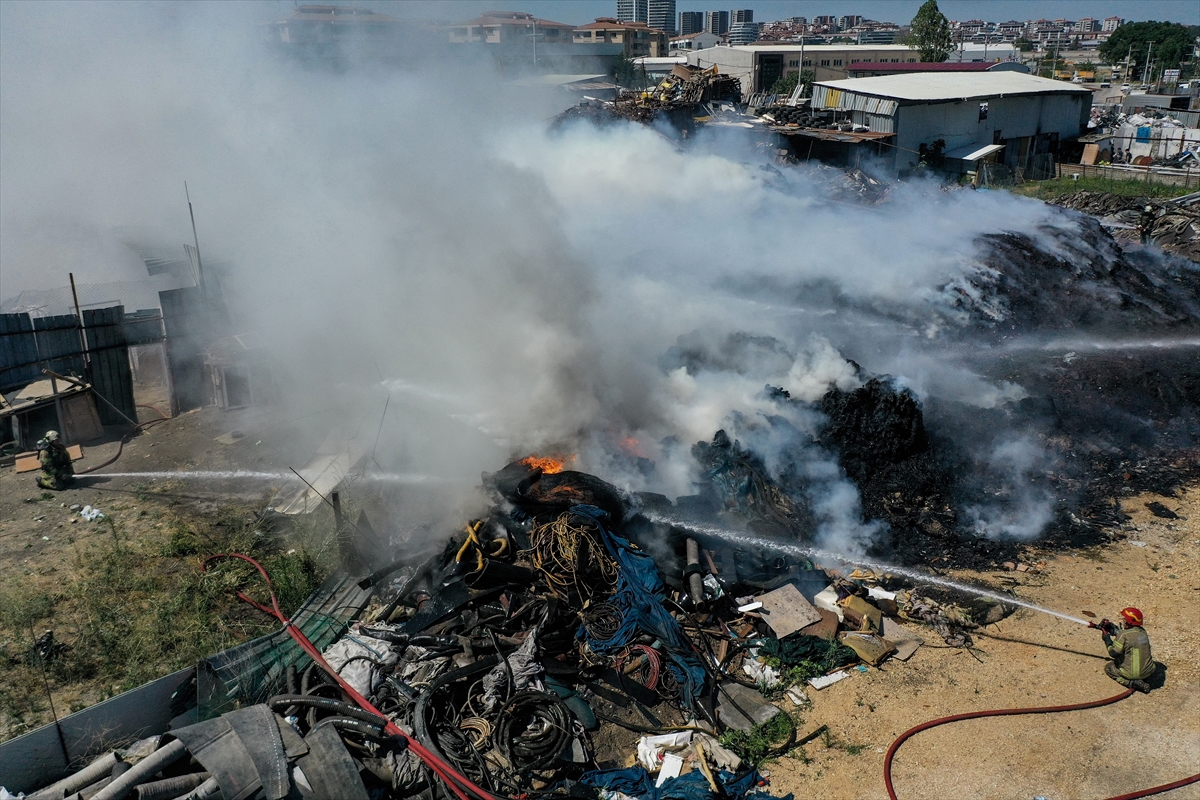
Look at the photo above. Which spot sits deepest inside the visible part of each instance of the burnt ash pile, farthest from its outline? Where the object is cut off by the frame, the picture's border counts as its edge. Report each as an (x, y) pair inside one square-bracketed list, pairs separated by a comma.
[(905, 477), (1065, 279)]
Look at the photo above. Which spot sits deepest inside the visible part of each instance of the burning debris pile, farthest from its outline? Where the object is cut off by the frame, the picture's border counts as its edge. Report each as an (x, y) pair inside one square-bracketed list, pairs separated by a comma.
[(521, 654)]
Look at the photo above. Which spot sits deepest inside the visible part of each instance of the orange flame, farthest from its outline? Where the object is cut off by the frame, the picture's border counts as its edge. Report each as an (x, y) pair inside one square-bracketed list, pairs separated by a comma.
[(548, 464), (632, 447)]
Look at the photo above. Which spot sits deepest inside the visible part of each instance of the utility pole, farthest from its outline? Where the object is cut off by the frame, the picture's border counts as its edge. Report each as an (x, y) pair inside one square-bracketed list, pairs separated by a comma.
[(1146, 69), (196, 240)]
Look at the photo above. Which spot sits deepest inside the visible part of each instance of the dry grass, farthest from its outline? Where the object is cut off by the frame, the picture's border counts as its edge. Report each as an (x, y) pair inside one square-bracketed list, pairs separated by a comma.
[(136, 608)]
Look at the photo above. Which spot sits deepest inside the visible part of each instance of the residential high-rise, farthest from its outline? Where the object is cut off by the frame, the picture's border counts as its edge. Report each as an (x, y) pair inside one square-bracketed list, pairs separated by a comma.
[(660, 15), (716, 22), (632, 10), (691, 22), (743, 33), (849, 21), (741, 15)]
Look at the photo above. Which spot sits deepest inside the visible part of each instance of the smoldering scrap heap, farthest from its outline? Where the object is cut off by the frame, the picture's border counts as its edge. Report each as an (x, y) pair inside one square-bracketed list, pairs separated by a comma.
[(685, 91), (568, 608)]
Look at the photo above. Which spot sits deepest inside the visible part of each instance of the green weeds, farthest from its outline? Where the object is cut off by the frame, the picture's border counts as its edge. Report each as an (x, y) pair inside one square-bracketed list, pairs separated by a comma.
[(138, 608)]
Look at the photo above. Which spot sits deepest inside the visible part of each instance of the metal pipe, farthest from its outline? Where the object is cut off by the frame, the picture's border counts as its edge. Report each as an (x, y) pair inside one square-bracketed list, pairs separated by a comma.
[(695, 579), (170, 788), (93, 772), (210, 788), (142, 771)]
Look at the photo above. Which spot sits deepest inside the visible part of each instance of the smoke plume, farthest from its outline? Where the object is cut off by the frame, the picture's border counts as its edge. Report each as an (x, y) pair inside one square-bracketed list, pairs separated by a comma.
[(415, 235)]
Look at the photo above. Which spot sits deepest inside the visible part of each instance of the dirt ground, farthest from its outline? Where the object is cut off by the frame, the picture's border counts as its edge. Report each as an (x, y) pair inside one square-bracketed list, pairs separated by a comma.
[(1031, 659)]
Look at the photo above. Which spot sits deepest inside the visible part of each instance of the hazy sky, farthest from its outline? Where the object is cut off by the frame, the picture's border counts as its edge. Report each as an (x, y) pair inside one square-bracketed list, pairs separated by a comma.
[(901, 11)]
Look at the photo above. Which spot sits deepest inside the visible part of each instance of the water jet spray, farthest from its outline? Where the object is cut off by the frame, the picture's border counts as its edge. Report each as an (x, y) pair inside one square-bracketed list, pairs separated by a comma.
[(858, 561)]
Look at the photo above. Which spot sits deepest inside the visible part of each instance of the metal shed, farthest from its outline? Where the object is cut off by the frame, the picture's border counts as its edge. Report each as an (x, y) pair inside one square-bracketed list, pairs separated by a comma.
[(1026, 114)]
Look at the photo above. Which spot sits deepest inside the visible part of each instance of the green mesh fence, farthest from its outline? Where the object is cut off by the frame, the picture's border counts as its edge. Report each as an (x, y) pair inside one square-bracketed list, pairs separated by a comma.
[(252, 672)]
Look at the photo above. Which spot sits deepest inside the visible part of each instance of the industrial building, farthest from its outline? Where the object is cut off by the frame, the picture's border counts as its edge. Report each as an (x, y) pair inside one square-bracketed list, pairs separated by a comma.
[(1016, 119), (760, 65)]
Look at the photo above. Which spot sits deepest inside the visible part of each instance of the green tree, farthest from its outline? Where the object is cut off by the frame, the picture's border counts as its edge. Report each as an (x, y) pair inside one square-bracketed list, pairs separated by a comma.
[(1024, 45), (624, 71), (787, 84), (931, 33), (1172, 44)]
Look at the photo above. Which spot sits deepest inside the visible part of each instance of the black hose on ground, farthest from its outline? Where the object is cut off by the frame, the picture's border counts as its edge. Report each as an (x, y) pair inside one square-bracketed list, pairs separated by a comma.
[(420, 721), (371, 729), (281, 702)]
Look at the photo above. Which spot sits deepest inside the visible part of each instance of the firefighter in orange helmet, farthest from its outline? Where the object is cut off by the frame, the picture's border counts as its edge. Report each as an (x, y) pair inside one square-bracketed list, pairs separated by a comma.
[(1132, 664)]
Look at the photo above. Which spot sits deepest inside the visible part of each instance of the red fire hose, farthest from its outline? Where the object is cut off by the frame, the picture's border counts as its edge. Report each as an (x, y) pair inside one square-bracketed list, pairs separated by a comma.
[(1004, 712), (459, 784)]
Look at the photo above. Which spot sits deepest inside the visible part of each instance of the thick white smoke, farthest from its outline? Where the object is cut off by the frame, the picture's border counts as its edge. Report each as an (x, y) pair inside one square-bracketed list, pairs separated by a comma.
[(419, 232)]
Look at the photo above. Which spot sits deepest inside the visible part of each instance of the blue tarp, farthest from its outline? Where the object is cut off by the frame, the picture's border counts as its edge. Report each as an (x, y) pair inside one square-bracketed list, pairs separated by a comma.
[(639, 597), (636, 782)]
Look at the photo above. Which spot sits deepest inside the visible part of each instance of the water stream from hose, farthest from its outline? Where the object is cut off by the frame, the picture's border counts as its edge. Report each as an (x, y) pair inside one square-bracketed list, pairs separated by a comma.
[(242, 474), (737, 537)]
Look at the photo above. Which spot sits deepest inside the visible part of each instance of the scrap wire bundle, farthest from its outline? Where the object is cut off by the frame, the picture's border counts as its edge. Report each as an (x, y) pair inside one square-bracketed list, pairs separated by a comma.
[(571, 557)]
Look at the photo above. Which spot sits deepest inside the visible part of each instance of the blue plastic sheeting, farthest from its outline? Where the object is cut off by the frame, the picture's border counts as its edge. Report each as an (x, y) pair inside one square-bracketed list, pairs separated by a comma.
[(636, 782), (639, 597)]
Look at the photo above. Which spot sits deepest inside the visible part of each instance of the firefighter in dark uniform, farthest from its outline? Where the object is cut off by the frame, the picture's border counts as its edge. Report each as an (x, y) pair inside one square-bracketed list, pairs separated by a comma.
[(1145, 223), (57, 472), (1132, 664)]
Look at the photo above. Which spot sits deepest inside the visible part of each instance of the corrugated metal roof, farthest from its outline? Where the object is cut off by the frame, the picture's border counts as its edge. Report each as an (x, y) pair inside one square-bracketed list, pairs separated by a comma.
[(936, 86), (973, 152), (921, 66)]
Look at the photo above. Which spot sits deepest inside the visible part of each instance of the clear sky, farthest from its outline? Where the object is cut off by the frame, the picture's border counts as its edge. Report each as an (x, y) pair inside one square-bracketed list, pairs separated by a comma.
[(899, 11)]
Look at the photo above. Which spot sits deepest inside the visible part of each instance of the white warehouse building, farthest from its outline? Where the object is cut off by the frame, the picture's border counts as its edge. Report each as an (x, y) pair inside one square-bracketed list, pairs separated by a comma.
[(1010, 117)]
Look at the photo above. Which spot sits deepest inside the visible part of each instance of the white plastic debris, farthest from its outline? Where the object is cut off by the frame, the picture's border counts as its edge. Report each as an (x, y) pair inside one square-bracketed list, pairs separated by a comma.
[(650, 748), (823, 681), (672, 765), (1136, 544), (828, 600), (798, 697), (91, 514), (750, 607), (766, 677)]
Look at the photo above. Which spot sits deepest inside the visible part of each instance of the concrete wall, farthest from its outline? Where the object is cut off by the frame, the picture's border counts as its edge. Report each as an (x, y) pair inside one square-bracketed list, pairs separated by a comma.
[(1013, 117)]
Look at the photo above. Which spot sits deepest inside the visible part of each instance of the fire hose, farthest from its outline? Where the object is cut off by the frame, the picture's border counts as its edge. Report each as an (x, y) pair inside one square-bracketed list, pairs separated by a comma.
[(1002, 712), (460, 785)]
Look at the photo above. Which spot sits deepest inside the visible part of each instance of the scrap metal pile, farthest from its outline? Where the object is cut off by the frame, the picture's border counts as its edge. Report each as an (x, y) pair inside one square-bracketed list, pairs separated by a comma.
[(677, 98), (1175, 226), (526, 653)]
